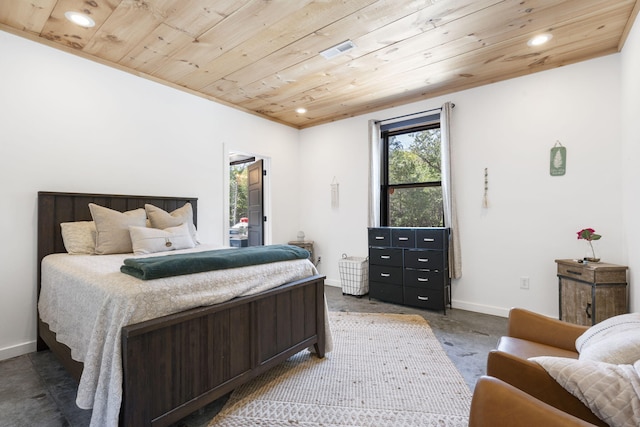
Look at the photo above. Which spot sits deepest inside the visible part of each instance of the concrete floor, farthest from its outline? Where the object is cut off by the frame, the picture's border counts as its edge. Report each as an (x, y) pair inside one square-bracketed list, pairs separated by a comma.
[(35, 390)]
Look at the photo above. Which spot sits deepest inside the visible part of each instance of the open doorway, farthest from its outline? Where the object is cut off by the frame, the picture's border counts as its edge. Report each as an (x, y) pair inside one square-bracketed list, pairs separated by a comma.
[(246, 200)]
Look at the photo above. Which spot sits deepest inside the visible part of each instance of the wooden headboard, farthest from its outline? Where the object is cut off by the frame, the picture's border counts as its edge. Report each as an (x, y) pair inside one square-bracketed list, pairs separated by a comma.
[(54, 208)]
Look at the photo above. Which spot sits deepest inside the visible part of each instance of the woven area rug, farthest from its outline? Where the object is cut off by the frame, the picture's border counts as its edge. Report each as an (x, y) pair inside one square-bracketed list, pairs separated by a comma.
[(384, 370)]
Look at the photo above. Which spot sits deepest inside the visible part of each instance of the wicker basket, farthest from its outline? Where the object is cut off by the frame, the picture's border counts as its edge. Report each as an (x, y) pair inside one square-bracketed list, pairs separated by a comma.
[(354, 275)]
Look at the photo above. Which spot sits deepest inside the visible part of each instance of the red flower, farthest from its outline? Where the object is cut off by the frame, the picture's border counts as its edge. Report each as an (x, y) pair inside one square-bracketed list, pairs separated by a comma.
[(588, 234)]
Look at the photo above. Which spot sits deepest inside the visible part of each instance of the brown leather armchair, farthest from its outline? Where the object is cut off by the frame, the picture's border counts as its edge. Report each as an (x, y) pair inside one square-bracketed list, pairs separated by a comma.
[(531, 334), (496, 403)]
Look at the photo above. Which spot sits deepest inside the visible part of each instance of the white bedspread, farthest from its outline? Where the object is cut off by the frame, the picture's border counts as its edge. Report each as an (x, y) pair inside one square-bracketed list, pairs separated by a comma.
[(86, 301)]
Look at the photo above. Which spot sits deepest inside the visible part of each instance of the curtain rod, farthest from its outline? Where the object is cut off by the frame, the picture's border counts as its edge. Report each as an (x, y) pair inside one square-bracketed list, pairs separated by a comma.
[(412, 114)]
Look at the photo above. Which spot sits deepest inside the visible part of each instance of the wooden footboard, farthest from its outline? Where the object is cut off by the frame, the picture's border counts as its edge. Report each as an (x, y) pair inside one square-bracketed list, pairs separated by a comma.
[(177, 364)]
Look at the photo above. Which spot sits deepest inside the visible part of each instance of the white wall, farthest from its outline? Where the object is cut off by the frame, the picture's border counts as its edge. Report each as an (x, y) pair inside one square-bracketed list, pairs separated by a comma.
[(68, 124), (630, 59), (509, 128)]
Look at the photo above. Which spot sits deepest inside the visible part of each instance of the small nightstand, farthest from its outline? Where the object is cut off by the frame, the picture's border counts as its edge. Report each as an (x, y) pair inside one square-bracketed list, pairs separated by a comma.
[(591, 292), (305, 244)]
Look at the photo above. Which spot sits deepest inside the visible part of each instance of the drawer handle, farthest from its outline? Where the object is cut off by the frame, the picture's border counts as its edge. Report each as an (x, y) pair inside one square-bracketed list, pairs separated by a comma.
[(422, 279), (423, 298), (385, 275), (403, 238), (379, 237), (587, 310), (385, 256), (427, 239), (579, 273), (423, 259)]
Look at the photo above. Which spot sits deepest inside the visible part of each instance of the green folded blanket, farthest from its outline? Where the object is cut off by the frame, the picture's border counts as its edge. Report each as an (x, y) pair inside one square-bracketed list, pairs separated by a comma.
[(198, 262)]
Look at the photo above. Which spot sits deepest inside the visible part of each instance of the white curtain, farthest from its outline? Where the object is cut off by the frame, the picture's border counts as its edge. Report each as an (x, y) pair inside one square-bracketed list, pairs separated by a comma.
[(448, 195), (375, 159)]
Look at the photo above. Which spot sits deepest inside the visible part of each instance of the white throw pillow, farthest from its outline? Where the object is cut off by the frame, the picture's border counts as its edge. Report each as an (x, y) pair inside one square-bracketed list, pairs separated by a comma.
[(151, 240), (79, 237), (614, 340), (610, 391), (112, 228), (162, 219)]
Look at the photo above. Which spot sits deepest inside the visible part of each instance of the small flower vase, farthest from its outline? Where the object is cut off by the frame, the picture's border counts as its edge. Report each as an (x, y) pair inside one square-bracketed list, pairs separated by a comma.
[(590, 253)]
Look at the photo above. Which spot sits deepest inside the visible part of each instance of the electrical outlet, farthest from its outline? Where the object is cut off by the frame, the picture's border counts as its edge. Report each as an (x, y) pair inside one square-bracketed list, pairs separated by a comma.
[(524, 283)]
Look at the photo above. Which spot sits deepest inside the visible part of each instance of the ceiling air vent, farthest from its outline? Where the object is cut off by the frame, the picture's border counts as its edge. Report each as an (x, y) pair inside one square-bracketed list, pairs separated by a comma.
[(338, 49)]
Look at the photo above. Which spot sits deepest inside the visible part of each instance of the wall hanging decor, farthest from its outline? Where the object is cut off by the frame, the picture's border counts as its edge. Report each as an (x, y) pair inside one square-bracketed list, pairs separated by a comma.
[(335, 199), (558, 163), (485, 198)]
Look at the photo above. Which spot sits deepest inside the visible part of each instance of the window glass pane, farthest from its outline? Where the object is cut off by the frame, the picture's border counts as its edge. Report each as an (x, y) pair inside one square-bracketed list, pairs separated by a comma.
[(415, 207), (414, 157)]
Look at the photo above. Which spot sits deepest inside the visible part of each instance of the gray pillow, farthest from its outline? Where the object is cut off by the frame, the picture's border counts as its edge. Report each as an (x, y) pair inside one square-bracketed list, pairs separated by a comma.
[(79, 237), (112, 228), (162, 219)]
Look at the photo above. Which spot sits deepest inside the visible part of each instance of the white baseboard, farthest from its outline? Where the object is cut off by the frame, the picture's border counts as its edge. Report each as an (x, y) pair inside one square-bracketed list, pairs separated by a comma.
[(17, 350), (334, 283), (481, 308), (462, 305)]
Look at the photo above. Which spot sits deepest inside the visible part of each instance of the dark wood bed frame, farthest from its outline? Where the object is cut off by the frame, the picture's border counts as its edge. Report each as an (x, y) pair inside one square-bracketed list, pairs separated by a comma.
[(176, 364)]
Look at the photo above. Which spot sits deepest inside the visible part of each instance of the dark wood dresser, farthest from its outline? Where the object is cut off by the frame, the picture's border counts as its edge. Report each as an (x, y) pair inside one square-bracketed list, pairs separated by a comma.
[(591, 292), (410, 266)]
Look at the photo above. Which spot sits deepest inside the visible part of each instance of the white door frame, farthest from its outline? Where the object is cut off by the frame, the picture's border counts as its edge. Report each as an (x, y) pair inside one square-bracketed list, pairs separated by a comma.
[(266, 193)]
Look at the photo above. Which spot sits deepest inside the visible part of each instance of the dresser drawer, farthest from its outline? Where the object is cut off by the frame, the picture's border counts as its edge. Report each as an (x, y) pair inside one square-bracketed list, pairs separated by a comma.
[(577, 272), (379, 237), (385, 274), (386, 292), (385, 256), (403, 237), (432, 238), (424, 279), (424, 259), (593, 273), (425, 298)]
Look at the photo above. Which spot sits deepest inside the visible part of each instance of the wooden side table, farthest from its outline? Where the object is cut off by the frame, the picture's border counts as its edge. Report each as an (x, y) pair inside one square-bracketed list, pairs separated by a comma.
[(305, 244), (591, 292)]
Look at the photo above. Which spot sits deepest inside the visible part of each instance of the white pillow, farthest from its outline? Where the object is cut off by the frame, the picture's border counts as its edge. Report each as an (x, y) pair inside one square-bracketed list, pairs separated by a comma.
[(112, 228), (610, 391), (150, 240), (162, 219), (614, 340), (79, 237)]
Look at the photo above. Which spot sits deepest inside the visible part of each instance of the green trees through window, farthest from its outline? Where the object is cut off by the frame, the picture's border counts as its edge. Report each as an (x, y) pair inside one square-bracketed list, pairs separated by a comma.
[(238, 189), (411, 191)]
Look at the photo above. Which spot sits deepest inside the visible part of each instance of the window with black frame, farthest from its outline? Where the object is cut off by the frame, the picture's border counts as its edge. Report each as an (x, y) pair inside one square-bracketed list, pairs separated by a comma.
[(411, 190)]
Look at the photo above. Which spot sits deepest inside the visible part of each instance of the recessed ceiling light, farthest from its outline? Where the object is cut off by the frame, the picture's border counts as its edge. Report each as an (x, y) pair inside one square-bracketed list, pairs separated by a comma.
[(301, 110), (338, 49), (540, 39), (80, 19)]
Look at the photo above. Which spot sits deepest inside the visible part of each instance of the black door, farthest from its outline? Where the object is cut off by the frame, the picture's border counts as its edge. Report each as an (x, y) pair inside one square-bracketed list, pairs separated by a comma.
[(255, 211)]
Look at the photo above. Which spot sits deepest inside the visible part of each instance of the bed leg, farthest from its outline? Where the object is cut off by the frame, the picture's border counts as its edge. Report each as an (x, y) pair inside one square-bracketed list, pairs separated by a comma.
[(41, 345), (319, 348), (321, 312)]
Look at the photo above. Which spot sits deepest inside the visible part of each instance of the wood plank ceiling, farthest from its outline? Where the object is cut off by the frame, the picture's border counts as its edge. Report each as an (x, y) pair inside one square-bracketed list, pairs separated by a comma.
[(262, 56)]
